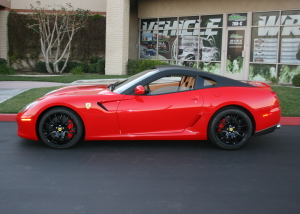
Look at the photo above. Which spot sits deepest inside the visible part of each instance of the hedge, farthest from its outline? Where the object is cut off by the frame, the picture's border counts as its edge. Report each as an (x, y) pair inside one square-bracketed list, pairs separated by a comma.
[(136, 66), (5, 69), (3, 61), (296, 80), (41, 66)]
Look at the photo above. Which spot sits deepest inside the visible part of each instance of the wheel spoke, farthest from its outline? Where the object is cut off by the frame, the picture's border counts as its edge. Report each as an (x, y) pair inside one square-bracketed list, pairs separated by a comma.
[(66, 121), (59, 129)]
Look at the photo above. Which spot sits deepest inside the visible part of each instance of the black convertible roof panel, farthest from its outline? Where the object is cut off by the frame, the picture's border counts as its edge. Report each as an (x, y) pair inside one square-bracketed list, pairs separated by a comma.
[(221, 80)]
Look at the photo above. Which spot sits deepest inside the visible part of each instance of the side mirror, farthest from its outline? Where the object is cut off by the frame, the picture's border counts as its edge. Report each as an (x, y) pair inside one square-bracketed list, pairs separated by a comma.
[(139, 90)]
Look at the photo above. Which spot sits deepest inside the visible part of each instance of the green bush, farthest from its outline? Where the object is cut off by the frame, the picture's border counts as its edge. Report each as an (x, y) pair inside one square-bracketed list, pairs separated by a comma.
[(3, 61), (274, 80), (98, 67), (4, 69), (77, 71), (136, 66), (85, 67), (96, 16), (133, 66), (40, 66), (101, 66), (148, 63), (93, 59), (93, 68), (296, 80), (70, 65)]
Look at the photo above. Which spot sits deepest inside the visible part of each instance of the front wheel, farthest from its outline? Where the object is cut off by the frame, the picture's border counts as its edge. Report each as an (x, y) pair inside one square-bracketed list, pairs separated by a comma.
[(60, 128), (230, 129)]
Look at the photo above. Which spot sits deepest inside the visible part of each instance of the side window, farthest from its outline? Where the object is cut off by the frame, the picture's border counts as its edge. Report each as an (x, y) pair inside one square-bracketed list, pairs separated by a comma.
[(205, 82), (170, 84), (209, 82)]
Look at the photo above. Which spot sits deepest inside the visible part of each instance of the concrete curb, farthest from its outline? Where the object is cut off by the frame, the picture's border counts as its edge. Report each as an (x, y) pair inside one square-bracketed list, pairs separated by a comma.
[(287, 121), (7, 117)]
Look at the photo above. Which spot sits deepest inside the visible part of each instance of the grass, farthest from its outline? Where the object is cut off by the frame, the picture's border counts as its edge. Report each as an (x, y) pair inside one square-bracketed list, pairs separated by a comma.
[(16, 103), (289, 99), (61, 78)]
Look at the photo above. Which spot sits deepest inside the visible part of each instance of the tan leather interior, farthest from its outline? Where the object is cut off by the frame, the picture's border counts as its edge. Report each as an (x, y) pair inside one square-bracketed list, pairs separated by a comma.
[(187, 82), (160, 85)]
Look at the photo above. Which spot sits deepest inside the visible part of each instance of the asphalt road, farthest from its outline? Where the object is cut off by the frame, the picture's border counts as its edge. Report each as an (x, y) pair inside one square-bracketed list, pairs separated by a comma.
[(150, 177)]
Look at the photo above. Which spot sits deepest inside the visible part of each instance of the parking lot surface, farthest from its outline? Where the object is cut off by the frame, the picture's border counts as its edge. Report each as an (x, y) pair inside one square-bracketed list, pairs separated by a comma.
[(150, 176)]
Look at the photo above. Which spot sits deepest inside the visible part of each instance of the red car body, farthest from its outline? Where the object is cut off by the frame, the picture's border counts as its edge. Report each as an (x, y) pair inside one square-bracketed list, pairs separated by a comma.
[(134, 114)]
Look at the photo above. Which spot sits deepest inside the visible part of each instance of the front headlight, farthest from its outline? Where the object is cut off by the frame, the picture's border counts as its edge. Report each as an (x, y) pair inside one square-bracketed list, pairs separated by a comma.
[(28, 106)]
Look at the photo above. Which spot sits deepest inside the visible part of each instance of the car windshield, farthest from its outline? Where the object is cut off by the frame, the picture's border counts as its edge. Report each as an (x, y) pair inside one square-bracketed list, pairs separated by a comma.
[(124, 85)]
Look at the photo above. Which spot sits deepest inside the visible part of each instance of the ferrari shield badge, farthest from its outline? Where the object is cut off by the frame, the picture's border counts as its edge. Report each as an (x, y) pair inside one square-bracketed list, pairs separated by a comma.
[(88, 105)]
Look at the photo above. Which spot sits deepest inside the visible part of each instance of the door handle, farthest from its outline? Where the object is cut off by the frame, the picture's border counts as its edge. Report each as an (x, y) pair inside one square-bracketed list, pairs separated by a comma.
[(195, 98)]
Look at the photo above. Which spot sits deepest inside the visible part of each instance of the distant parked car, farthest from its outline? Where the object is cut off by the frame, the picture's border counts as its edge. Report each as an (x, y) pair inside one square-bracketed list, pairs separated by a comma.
[(188, 50)]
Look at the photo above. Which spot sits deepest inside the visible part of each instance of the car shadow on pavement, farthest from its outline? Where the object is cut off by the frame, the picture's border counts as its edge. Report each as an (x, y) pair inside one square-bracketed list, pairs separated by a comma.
[(124, 144)]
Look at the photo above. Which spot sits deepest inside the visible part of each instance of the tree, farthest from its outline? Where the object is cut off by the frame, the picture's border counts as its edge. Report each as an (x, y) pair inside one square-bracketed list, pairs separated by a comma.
[(56, 26)]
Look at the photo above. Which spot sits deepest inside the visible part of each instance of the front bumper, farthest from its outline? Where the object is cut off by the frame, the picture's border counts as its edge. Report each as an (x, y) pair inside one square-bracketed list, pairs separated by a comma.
[(26, 129)]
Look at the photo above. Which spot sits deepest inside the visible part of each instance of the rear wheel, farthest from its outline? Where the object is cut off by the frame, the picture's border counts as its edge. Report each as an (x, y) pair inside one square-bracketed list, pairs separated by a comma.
[(60, 128), (230, 129)]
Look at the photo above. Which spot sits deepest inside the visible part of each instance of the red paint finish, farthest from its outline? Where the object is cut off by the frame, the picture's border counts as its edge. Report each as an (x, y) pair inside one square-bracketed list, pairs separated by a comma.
[(139, 90), (161, 114), (183, 115), (245, 98)]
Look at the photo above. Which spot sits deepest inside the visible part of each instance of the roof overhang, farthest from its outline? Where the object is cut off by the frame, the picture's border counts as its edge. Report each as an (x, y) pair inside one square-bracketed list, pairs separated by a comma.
[(5, 3)]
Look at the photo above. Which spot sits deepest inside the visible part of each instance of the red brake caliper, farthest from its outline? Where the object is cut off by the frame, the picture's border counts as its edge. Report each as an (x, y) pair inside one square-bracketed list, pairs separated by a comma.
[(70, 127), (221, 125)]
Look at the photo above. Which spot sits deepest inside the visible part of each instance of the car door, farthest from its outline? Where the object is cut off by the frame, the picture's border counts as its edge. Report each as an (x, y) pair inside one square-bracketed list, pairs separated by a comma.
[(158, 113)]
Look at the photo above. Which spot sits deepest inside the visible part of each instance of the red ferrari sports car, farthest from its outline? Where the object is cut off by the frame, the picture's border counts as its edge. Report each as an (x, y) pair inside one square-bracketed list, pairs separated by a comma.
[(162, 103)]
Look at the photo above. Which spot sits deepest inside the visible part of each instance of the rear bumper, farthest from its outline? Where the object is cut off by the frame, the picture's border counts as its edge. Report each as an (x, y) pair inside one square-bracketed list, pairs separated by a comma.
[(267, 130)]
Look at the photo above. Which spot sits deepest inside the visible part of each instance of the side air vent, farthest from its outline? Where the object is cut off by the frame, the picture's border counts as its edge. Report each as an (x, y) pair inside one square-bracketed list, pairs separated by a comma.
[(102, 106)]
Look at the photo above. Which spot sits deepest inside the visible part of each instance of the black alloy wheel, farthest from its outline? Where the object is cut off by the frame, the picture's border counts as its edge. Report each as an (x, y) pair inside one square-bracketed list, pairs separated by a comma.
[(60, 128), (230, 129)]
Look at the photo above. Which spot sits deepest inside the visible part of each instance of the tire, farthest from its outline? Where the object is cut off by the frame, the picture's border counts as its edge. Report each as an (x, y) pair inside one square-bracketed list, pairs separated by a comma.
[(230, 129), (60, 128)]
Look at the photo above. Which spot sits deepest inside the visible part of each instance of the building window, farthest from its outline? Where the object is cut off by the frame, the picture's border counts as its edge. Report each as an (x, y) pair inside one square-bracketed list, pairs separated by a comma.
[(193, 41), (275, 39), (196, 41)]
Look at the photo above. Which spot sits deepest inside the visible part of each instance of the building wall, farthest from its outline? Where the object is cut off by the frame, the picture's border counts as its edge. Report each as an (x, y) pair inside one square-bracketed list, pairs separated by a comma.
[(3, 34), (134, 33), (244, 40), (117, 37), (5, 3), (92, 5), (168, 8)]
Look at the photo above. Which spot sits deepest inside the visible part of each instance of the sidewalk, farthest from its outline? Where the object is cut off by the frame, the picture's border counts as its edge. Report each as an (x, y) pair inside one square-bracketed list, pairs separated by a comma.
[(9, 89)]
